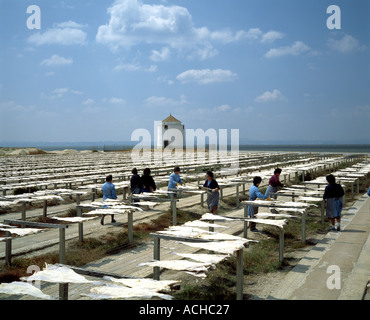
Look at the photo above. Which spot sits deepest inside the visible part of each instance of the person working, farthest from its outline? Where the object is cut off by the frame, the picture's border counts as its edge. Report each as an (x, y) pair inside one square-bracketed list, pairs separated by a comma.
[(109, 192), (213, 195), (175, 180), (334, 201), (254, 193), (274, 183), (135, 183), (147, 182)]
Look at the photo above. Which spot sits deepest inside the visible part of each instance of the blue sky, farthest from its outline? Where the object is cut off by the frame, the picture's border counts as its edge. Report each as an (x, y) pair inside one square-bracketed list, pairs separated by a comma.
[(98, 70)]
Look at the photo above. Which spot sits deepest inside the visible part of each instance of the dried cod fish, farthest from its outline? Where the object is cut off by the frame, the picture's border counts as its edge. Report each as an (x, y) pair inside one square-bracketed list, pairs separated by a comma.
[(205, 258), (227, 247), (120, 292), (277, 223), (178, 265), (23, 288), (57, 274), (22, 231), (201, 224), (214, 217), (72, 219), (156, 285)]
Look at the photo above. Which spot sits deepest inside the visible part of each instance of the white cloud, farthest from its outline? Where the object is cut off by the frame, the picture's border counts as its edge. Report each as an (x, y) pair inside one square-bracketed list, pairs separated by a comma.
[(117, 100), (222, 108), (88, 101), (271, 36), (65, 33), (206, 76), (347, 44), (70, 24), (156, 101), (56, 60), (133, 22), (270, 96), (16, 107), (162, 55), (59, 93), (165, 79), (134, 66), (295, 49)]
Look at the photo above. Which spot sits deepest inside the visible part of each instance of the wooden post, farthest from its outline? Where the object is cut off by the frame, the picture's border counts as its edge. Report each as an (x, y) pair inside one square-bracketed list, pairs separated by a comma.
[(304, 227), (63, 291), (62, 245), (237, 196), (157, 256), (23, 213), (78, 199), (173, 208), (245, 231), (124, 193), (322, 211), (130, 226), (80, 225), (45, 208), (239, 275), (281, 245), (8, 249)]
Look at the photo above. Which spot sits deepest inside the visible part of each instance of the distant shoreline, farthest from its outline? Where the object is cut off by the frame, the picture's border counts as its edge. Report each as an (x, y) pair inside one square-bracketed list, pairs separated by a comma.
[(316, 148)]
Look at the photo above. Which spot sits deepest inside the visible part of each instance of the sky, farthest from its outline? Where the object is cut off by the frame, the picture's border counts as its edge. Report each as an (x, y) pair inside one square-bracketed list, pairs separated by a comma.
[(277, 70)]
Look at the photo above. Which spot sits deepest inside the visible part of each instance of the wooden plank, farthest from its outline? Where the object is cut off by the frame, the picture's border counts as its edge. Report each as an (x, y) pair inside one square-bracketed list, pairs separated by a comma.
[(37, 224)]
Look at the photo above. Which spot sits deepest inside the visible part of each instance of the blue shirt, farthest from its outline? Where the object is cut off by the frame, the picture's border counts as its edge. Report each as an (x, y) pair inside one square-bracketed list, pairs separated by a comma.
[(255, 193), (174, 179), (368, 192), (109, 191)]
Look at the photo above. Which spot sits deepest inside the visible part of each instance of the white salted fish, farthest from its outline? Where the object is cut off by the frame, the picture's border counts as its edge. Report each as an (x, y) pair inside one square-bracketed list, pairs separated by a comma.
[(310, 199), (289, 210), (263, 215), (196, 233), (57, 274), (202, 224), (277, 223), (156, 285), (22, 231), (205, 258), (121, 292), (178, 265), (23, 288), (227, 247), (147, 203), (105, 211), (71, 219), (214, 217)]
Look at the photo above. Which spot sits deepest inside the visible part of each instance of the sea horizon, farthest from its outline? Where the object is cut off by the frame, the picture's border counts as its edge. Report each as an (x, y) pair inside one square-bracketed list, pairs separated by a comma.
[(276, 147)]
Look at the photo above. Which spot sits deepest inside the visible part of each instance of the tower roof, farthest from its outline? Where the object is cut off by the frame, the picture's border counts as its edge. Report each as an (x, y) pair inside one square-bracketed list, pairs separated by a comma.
[(171, 118)]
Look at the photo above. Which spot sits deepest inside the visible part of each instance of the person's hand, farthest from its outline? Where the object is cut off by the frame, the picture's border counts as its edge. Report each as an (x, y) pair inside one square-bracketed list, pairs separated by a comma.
[(269, 199)]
